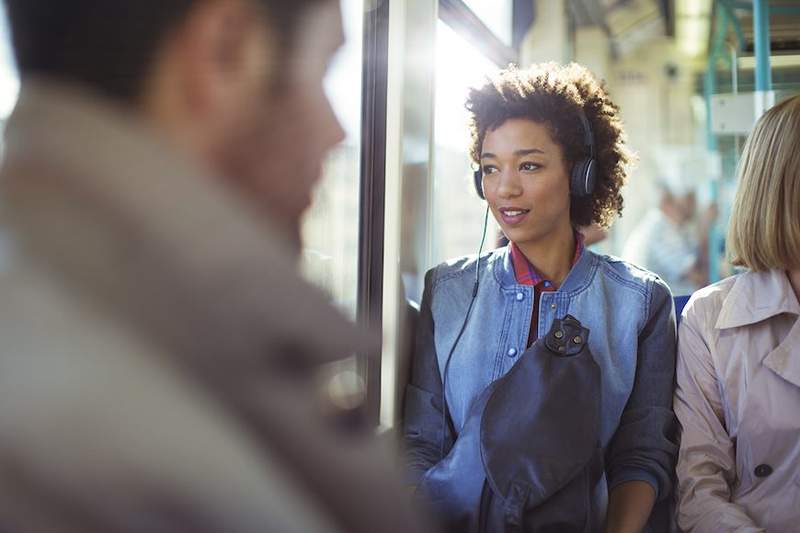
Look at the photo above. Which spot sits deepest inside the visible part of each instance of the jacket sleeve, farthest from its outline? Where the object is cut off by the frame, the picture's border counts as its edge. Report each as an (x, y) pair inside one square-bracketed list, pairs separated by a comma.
[(427, 429), (644, 446), (707, 460)]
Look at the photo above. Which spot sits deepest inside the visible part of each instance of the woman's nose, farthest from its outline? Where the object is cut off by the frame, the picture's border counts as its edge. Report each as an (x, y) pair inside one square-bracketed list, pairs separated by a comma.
[(508, 185)]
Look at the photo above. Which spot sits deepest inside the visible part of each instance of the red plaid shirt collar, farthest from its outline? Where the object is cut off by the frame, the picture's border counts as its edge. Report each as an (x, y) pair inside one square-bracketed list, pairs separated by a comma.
[(526, 274)]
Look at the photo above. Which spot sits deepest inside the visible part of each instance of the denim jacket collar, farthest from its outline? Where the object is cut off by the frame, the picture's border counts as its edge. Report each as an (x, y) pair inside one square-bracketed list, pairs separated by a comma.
[(576, 281)]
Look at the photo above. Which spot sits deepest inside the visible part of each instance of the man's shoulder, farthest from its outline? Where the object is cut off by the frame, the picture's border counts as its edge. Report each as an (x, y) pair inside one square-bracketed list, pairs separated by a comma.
[(91, 410), (56, 342)]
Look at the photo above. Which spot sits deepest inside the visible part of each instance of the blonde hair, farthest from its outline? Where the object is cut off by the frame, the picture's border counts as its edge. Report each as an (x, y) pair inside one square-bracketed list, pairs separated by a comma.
[(764, 232)]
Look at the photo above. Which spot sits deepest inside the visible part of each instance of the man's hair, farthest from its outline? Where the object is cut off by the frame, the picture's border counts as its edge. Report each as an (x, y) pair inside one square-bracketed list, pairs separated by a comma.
[(764, 231), (555, 95), (111, 45)]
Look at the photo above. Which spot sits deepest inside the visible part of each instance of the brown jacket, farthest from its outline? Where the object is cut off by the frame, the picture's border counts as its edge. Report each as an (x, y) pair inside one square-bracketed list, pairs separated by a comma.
[(158, 364)]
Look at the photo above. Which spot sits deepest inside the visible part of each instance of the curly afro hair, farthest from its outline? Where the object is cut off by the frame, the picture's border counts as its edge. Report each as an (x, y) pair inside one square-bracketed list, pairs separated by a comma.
[(554, 95)]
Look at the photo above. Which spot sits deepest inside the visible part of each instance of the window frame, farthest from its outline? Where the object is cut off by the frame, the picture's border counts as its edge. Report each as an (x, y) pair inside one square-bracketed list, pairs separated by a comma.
[(372, 191), (464, 21)]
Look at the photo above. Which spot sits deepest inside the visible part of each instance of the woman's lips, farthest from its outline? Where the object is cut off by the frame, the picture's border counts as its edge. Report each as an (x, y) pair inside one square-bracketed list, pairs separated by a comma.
[(511, 216)]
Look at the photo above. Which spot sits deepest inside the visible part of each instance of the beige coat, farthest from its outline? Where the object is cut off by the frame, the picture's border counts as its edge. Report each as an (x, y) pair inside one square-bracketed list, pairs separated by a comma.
[(158, 353), (738, 402)]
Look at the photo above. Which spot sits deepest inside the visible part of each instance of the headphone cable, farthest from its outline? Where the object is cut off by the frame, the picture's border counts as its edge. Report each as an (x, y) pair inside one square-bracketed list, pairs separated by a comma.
[(463, 327)]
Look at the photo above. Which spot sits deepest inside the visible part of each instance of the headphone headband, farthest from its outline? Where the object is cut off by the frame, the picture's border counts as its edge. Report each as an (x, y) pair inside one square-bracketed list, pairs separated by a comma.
[(588, 136)]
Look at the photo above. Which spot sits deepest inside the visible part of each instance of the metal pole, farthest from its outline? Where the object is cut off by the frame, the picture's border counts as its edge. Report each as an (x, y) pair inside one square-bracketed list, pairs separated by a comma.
[(712, 146), (778, 10), (710, 81), (728, 6), (710, 86), (762, 44)]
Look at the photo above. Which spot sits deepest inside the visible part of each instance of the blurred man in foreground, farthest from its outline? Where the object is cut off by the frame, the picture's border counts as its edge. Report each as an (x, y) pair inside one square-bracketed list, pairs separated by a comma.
[(158, 351)]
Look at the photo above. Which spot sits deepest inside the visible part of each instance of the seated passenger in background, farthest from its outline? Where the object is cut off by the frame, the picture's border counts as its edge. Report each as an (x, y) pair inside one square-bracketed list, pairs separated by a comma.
[(668, 243), (549, 143), (738, 393), (158, 351)]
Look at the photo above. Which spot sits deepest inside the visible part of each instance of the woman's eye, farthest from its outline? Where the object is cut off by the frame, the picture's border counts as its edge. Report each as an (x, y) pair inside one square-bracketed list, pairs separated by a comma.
[(489, 170), (528, 166)]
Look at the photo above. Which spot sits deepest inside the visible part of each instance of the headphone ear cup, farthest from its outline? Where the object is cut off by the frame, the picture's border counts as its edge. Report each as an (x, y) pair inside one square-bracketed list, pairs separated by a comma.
[(591, 177), (583, 178), (478, 179)]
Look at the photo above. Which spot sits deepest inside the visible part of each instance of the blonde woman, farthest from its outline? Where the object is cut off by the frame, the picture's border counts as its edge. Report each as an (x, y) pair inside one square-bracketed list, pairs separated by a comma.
[(738, 394)]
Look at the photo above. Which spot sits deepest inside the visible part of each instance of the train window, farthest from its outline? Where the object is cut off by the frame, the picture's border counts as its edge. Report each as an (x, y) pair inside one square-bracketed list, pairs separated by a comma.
[(458, 212), (496, 14), (9, 80), (330, 229)]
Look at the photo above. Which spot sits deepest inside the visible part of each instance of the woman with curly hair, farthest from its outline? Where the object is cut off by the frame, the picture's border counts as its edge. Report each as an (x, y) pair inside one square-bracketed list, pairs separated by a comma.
[(576, 432)]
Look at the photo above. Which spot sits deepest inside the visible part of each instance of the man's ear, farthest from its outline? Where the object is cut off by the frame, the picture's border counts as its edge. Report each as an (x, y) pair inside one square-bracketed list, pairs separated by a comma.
[(226, 54)]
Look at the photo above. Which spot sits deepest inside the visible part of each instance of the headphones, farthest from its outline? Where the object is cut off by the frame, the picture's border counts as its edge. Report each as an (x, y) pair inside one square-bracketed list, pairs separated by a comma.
[(584, 172)]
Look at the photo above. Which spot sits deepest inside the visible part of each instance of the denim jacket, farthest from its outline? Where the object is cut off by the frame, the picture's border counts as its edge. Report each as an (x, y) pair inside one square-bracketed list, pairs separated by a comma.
[(629, 312)]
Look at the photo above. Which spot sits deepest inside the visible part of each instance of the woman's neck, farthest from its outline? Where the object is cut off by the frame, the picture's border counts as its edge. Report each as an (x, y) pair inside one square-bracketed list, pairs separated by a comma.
[(794, 280), (551, 256)]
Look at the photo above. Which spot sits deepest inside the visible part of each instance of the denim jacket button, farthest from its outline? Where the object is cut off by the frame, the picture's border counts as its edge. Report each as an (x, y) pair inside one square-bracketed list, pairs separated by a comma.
[(553, 306), (520, 296), (512, 352)]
